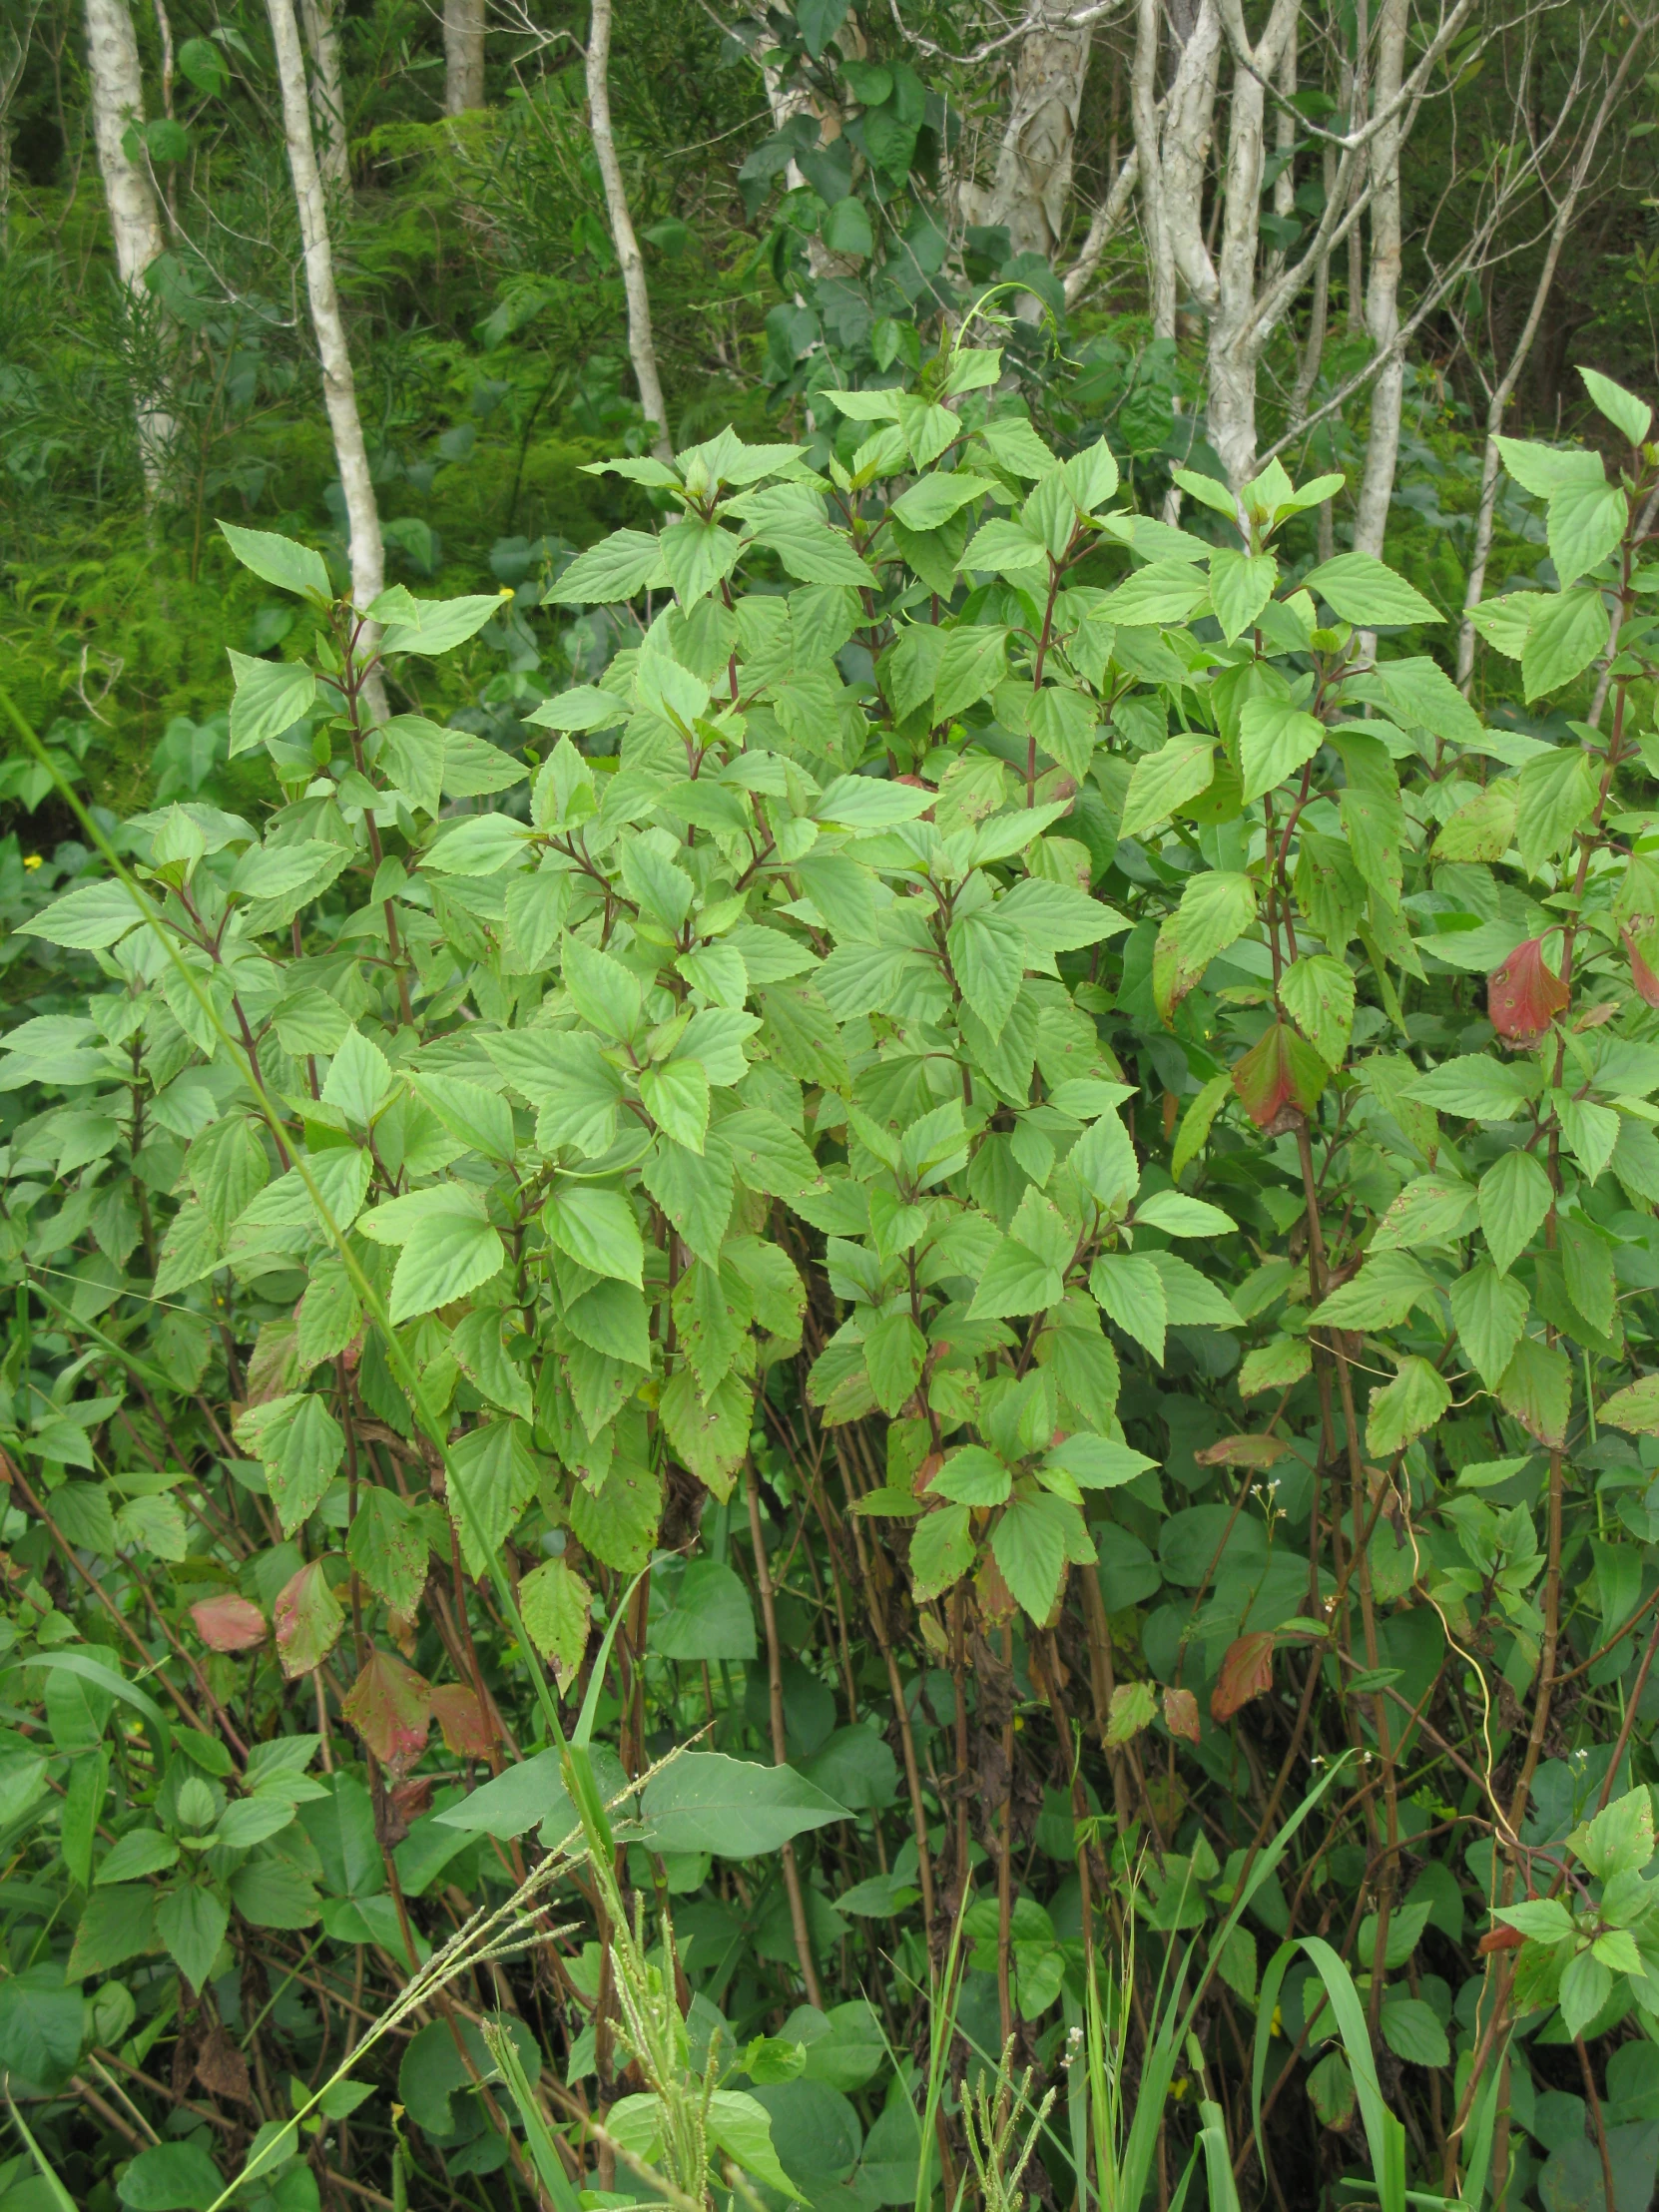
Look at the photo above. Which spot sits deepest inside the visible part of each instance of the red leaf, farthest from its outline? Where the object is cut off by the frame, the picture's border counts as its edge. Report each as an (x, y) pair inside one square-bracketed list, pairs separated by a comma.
[(1523, 996), (1641, 976), (1504, 1938), (1246, 1672), (228, 1622), (1279, 1078), (411, 1800), (1181, 1714), (309, 1620), (390, 1707), (467, 1731)]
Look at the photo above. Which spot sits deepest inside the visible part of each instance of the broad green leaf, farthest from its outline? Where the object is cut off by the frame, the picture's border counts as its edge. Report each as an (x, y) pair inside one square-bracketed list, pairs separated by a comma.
[(277, 560), (271, 697), (1624, 409), (1489, 1310), (1216, 909), (1416, 1400), (1163, 781), (1274, 740), (598, 1229), (1516, 1194), (1570, 629), (1241, 584), (1318, 992), (96, 915), (942, 1550), (704, 1800), (1032, 1542), (1366, 592)]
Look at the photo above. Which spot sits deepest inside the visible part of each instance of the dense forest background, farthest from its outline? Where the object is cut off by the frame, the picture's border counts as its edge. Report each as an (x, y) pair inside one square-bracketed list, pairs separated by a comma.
[(829, 1034), (488, 324)]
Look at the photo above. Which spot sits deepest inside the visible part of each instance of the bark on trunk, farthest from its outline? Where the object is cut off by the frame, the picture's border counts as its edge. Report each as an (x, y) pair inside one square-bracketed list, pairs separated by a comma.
[(340, 393), (134, 221), (328, 95), (1031, 188), (642, 348), (1376, 485), (1236, 331), (464, 55)]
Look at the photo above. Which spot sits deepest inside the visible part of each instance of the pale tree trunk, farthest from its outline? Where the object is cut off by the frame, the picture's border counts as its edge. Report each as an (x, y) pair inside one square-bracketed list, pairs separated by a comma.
[(327, 94), (464, 55), (1029, 192), (1387, 394), (1172, 146), (1500, 393), (340, 393), (1235, 337), (134, 221), (642, 349)]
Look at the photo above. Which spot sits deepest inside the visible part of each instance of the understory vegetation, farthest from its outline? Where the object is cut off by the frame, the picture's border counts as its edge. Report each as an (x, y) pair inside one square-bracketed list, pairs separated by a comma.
[(830, 1272)]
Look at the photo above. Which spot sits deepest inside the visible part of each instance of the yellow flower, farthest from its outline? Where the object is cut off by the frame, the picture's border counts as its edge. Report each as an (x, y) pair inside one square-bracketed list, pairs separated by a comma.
[(31, 859), (1178, 2089)]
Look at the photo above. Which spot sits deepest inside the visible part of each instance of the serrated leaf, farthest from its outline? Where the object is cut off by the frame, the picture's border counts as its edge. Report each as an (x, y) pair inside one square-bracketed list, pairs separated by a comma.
[(1514, 1195), (1415, 1400)]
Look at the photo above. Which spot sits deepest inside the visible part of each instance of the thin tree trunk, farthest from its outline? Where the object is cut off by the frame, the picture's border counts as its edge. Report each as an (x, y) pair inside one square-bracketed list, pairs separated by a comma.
[(339, 392), (464, 55), (1387, 394), (1505, 389), (640, 347), (1029, 192), (327, 96), (134, 221), (1109, 219)]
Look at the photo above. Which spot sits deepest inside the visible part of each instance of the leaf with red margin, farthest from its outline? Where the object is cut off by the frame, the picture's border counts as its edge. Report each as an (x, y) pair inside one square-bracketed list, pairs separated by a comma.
[(309, 1620), (1523, 996), (390, 1707), (1246, 1672), (229, 1622), (468, 1731), (1642, 977), (1280, 1073), (1181, 1714)]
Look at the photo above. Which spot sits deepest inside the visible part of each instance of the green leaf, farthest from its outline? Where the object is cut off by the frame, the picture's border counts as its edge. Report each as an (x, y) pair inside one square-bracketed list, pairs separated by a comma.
[(1635, 1408), (1016, 1281), (88, 919), (271, 697), (190, 1920), (676, 1095), (1416, 1400), (1241, 584), (988, 955), (1586, 522), (894, 1348), (1274, 740), (1032, 1543), (1516, 1194), (1489, 1310), (1374, 820), (386, 1543), (709, 1617), (626, 562), (1477, 1088), (1556, 795), (1366, 592), (1381, 1296), (141, 1851), (704, 1800), (275, 560), (556, 1604), (971, 665), (1316, 991), (598, 1229), (1537, 1387), (1413, 2031), (942, 1552), (1620, 1838), (302, 1446), (435, 626), (740, 2127), (1622, 408), (495, 1474), (1565, 636), (172, 2177), (1161, 783), (1131, 1292), (1057, 917), (41, 2024), (1586, 1988), (451, 1252), (1216, 907)]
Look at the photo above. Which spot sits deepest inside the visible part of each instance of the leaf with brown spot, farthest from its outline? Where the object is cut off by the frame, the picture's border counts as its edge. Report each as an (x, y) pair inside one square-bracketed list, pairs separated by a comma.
[(309, 1620), (1642, 977), (229, 1622), (1246, 1672), (468, 1731), (1259, 1452), (222, 2069), (390, 1707), (1523, 996), (1181, 1714), (1133, 1705), (1281, 1075)]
